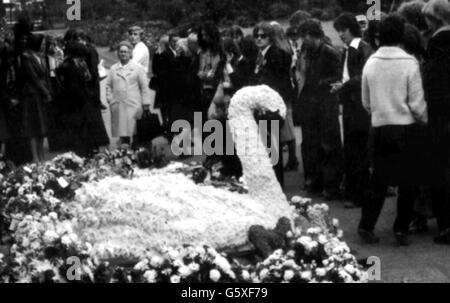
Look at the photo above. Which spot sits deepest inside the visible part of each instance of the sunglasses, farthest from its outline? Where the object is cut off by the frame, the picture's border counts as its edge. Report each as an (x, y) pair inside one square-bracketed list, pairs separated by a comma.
[(262, 36)]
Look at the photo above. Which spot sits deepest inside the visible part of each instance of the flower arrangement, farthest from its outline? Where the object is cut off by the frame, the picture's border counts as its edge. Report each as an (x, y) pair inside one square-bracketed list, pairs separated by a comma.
[(40, 220)]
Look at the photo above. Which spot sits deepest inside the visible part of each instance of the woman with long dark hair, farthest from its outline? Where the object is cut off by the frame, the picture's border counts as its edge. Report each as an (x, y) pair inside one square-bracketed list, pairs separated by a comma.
[(35, 94), (74, 78), (212, 61)]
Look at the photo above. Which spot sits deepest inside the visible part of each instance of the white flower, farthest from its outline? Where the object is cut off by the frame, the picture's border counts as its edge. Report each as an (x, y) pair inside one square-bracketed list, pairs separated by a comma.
[(184, 271), (73, 237), (340, 234), (350, 269), (45, 219), (194, 267), (212, 252), (53, 216), (150, 276), (314, 231), (214, 275), (322, 239), (325, 207), (263, 274), (289, 234), (290, 254), (276, 255), (245, 275), (335, 223), (25, 242), (141, 266), (346, 276), (290, 263), (321, 272), (65, 240), (50, 236), (305, 240), (156, 261), (306, 275), (288, 275), (178, 263), (296, 199), (222, 263), (200, 250), (175, 279)]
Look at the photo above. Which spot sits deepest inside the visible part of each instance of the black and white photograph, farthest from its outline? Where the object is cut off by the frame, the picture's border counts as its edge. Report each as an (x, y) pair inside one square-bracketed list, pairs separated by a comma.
[(224, 142)]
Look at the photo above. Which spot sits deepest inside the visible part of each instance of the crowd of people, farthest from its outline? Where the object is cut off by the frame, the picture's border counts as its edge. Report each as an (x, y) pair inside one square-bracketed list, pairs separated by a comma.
[(390, 83), (50, 88)]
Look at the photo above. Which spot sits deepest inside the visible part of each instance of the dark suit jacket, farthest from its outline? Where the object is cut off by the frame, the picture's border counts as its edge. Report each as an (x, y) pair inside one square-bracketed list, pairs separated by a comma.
[(323, 67), (92, 61), (275, 73), (436, 76), (241, 75), (356, 117), (164, 70)]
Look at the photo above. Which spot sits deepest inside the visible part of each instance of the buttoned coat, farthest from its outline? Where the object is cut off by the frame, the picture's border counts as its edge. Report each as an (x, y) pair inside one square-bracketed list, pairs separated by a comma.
[(126, 92)]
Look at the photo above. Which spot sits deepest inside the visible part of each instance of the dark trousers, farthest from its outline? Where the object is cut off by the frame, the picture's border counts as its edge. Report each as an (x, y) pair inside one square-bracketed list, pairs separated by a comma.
[(399, 159), (322, 146), (405, 207), (357, 175), (440, 194)]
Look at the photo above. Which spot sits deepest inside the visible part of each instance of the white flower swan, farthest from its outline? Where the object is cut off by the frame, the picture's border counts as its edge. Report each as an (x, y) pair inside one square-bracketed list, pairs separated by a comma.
[(162, 208)]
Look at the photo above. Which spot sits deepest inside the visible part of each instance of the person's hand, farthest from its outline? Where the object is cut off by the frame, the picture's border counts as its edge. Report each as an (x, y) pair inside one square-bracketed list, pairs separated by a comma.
[(202, 75), (336, 87), (14, 102)]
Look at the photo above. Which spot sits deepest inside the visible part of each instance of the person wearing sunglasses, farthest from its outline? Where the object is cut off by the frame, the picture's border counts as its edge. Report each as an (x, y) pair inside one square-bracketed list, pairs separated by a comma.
[(272, 69), (436, 79)]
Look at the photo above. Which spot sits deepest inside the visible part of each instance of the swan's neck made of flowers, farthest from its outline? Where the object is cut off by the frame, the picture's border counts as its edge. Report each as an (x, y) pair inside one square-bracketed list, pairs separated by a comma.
[(254, 155)]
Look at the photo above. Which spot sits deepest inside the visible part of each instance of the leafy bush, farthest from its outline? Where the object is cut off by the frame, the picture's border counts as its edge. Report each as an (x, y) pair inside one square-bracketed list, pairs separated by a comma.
[(245, 21), (317, 13), (279, 10)]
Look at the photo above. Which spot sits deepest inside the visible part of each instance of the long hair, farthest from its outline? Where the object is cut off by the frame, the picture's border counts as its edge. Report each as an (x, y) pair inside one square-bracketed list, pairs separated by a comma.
[(209, 38), (280, 38)]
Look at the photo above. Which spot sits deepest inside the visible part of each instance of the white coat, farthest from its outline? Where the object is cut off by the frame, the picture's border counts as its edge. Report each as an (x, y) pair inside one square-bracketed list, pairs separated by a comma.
[(126, 92)]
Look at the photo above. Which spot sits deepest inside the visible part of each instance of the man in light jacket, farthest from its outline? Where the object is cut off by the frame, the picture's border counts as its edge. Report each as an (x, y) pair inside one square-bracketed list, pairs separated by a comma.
[(392, 93)]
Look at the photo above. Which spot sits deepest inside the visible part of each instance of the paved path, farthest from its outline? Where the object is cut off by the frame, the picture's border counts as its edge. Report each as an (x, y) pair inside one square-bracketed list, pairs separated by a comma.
[(423, 261)]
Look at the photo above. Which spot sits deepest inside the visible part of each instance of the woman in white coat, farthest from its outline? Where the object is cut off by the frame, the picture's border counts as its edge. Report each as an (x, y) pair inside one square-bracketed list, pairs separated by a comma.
[(127, 93)]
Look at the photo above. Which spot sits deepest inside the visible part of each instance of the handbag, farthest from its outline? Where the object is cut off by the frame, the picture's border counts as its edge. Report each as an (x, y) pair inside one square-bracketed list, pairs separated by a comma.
[(148, 127)]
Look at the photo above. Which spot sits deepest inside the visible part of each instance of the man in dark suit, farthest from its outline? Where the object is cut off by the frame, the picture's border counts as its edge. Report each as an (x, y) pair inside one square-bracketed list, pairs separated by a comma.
[(319, 114), (272, 69), (165, 72), (356, 119)]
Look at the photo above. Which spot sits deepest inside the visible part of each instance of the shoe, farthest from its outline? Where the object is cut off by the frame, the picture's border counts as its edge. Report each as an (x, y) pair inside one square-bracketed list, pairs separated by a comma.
[(291, 166), (351, 205), (368, 237), (443, 238), (419, 226), (402, 239)]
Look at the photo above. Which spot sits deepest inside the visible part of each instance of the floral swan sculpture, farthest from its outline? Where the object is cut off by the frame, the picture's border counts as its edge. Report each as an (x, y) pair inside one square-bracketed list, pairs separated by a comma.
[(163, 208)]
